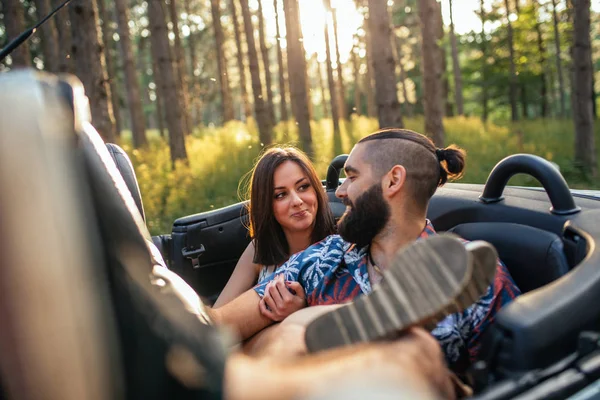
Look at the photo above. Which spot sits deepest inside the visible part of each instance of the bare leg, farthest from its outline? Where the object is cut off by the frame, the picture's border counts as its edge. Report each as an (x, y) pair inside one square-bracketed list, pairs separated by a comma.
[(287, 338), (413, 361)]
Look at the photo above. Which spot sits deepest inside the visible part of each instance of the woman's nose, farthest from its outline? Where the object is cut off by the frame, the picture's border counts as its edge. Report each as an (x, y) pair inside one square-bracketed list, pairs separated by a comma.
[(296, 200)]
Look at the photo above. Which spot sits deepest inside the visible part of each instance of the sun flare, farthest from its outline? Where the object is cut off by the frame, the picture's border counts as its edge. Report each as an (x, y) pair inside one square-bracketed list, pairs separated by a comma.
[(312, 20)]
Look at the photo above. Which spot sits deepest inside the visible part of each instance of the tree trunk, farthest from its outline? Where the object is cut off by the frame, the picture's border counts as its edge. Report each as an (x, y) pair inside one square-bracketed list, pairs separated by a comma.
[(524, 103), (64, 38), (146, 60), (308, 87), (134, 102), (283, 113), (191, 44), (297, 74), (49, 37), (542, 54), (110, 65), (240, 60), (340, 76), (371, 109), (194, 92), (484, 70), (431, 66), (90, 66), (323, 92), (333, 98), (388, 107), (142, 62), (160, 98), (458, 91), (594, 95), (583, 118), (559, 72), (215, 6), (513, 69), (266, 62), (15, 25), (403, 78), (180, 69), (161, 52), (446, 104), (265, 129), (356, 65)]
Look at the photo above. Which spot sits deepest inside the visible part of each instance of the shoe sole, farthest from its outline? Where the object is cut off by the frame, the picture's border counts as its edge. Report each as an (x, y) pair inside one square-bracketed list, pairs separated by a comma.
[(427, 281)]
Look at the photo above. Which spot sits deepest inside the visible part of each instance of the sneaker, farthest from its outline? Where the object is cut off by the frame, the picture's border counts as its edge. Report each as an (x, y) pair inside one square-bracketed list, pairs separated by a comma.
[(427, 281)]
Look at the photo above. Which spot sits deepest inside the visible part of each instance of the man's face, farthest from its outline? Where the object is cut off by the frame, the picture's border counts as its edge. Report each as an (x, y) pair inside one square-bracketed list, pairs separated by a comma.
[(367, 211)]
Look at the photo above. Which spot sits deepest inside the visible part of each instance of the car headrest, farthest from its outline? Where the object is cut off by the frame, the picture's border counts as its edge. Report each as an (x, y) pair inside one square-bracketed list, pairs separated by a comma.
[(125, 167), (337, 207), (534, 257)]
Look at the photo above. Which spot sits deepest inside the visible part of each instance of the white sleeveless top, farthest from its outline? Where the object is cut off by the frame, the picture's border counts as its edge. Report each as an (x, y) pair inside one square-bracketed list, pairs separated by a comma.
[(265, 271)]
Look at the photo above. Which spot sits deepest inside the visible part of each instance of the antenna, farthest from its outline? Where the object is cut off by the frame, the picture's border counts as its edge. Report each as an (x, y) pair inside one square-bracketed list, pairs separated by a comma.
[(16, 42)]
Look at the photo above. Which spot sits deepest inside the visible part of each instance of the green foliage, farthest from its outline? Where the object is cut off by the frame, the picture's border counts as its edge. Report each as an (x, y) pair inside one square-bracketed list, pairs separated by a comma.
[(220, 157)]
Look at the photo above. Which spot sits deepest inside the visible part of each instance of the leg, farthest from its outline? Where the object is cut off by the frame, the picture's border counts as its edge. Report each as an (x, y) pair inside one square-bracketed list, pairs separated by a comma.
[(414, 363), (286, 338), (427, 280)]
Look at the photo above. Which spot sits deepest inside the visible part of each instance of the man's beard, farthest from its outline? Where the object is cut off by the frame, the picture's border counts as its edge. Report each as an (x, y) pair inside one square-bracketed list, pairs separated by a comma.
[(366, 218)]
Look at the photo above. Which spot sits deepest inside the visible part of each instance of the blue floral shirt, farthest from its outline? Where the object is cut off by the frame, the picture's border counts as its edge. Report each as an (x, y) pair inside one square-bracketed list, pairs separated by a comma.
[(334, 271)]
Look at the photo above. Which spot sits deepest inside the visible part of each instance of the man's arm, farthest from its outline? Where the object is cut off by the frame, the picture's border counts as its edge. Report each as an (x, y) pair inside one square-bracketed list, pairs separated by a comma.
[(411, 365), (242, 314)]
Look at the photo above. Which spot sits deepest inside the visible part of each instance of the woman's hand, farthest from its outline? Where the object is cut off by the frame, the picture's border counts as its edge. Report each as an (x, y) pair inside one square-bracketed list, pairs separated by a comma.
[(282, 299)]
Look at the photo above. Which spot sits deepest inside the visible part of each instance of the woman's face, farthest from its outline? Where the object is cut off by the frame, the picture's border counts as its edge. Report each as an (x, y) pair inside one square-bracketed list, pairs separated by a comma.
[(294, 199)]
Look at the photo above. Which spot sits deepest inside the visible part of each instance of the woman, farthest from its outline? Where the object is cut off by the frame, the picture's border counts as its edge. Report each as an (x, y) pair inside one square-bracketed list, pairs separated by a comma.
[(288, 212)]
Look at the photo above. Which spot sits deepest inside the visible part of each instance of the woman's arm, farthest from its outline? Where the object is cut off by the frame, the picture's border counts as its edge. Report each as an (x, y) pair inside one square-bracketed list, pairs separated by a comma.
[(243, 278)]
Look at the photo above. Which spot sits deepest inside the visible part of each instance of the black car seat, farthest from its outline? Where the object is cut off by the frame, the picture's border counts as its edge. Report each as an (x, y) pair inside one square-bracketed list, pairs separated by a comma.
[(157, 320), (153, 321), (125, 167), (534, 257), (331, 184)]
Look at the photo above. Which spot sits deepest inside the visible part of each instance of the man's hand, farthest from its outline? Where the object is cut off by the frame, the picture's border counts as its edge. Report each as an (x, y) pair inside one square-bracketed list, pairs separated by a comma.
[(282, 299)]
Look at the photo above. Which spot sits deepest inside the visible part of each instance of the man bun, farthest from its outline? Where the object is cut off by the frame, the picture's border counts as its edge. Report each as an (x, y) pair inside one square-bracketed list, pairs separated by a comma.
[(452, 163)]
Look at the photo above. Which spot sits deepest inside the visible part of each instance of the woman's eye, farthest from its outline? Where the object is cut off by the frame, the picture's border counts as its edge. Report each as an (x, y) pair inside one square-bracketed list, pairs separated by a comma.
[(304, 187), (279, 195)]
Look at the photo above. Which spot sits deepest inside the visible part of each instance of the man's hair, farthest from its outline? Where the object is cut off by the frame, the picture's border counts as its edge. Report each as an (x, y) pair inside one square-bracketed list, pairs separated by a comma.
[(427, 167), (271, 246)]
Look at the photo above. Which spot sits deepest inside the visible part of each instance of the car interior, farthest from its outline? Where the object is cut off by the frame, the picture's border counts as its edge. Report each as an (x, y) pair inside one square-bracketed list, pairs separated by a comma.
[(543, 345)]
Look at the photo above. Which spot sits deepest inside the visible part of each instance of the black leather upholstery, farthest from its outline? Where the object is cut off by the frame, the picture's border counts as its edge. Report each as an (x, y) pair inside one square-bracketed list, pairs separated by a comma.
[(534, 257), (152, 319), (124, 166)]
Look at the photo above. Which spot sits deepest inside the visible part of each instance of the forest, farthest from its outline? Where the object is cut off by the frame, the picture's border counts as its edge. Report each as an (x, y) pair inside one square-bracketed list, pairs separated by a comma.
[(193, 90)]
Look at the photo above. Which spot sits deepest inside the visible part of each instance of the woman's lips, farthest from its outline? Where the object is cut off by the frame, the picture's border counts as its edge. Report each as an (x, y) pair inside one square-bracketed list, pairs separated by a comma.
[(300, 214)]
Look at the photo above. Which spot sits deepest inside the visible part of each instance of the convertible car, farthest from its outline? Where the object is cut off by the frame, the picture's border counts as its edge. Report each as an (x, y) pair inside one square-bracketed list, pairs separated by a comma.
[(83, 316)]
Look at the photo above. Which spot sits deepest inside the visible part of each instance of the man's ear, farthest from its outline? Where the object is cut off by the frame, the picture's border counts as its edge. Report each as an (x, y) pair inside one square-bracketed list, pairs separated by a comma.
[(394, 180)]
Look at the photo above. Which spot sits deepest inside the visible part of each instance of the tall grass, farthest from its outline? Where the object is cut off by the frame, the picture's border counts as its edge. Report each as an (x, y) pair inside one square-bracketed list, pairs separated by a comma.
[(220, 157)]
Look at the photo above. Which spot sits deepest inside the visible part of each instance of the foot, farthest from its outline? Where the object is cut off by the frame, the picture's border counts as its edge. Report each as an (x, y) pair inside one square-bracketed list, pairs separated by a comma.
[(427, 281)]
